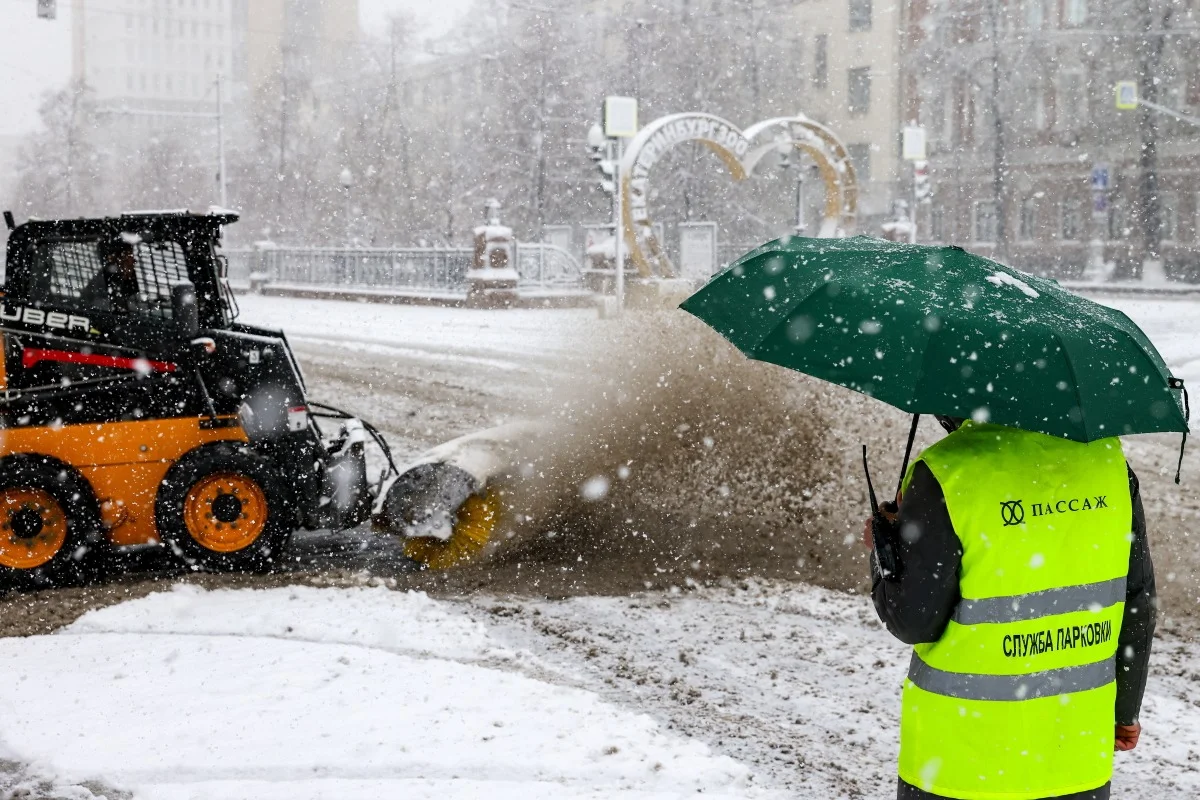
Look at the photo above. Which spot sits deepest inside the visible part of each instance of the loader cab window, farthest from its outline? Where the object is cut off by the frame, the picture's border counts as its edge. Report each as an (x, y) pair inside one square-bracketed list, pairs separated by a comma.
[(112, 276)]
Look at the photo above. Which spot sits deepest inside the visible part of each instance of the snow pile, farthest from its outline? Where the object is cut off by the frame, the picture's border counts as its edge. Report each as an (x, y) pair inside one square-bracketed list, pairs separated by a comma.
[(305, 693)]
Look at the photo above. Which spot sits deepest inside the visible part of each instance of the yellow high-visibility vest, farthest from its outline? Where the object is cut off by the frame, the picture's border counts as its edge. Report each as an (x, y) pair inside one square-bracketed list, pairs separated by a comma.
[(1016, 700)]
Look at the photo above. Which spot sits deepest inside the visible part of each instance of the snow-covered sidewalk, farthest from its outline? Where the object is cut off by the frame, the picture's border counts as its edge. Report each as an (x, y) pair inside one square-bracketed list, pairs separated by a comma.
[(755, 691), (314, 693)]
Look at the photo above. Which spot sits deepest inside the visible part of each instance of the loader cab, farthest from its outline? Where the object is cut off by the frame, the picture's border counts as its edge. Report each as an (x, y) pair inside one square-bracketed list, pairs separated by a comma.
[(129, 273), (140, 299)]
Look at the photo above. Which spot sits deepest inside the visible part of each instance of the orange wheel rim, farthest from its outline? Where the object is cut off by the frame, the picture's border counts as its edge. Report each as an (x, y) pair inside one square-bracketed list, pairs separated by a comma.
[(225, 512), (33, 528)]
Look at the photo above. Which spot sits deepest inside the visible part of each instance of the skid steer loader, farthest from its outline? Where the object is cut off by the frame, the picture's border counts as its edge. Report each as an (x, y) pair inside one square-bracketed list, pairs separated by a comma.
[(136, 409)]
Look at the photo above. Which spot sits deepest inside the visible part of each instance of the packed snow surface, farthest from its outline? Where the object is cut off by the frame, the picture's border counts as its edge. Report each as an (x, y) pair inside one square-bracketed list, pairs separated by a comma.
[(750, 691), (311, 693)]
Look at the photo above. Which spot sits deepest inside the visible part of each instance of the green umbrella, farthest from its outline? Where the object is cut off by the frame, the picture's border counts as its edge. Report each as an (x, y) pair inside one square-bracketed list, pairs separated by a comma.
[(942, 331)]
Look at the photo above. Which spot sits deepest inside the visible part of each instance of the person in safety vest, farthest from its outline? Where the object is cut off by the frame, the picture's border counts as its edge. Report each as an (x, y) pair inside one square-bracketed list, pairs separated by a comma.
[(1025, 585)]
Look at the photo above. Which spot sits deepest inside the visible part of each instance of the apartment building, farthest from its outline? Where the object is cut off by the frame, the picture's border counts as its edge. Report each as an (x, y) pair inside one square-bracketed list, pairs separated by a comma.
[(167, 55), (1031, 161)]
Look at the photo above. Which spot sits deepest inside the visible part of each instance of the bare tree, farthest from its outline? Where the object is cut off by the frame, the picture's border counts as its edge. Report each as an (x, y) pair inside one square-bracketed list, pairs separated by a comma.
[(59, 166)]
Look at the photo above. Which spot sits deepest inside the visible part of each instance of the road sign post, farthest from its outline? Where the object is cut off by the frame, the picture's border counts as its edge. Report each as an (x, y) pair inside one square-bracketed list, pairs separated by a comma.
[(620, 123), (913, 149)]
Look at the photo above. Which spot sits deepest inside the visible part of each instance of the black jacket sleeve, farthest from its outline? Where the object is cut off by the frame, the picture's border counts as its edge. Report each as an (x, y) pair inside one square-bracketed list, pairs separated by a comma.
[(1141, 611), (917, 607)]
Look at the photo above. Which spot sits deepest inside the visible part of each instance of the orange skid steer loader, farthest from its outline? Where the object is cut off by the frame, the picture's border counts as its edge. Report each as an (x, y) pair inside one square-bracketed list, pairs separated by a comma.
[(136, 409)]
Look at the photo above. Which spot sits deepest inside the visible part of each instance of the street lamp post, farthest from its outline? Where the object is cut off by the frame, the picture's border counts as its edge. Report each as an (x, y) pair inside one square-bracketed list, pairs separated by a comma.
[(784, 146), (800, 226), (346, 179)]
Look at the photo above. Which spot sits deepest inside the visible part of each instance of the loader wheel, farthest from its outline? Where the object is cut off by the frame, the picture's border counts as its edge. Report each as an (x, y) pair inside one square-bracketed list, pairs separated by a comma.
[(48, 520), (477, 518), (221, 507)]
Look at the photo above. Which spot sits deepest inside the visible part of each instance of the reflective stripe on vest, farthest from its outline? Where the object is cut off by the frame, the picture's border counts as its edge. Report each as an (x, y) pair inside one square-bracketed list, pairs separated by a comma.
[(972, 686), (1015, 608), (1016, 699)]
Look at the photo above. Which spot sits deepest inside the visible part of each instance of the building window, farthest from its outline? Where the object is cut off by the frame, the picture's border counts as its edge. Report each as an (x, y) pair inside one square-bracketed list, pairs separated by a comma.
[(1035, 14), (1118, 228), (1040, 118), (860, 158), (1076, 11), (1169, 205), (984, 224), (859, 90), (821, 60), (860, 15), (1072, 100), (1027, 230), (1071, 220)]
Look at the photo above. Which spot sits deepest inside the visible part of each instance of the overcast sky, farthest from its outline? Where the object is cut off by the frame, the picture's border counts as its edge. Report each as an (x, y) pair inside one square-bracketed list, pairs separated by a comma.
[(35, 54)]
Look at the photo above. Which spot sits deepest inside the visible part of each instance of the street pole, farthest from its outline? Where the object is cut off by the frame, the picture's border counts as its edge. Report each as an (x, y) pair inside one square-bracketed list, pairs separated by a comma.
[(1149, 61), (221, 142), (912, 215), (800, 226), (346, 179), (619, 228)]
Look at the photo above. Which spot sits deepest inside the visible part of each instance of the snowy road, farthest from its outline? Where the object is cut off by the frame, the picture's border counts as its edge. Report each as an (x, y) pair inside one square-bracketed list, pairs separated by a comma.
[(747, 689), (758, 691)]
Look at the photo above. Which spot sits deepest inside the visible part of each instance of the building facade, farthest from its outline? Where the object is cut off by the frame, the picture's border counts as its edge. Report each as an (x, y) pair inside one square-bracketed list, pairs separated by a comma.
[(849, 80), (167, 55), (152, 55), (1031, 160)]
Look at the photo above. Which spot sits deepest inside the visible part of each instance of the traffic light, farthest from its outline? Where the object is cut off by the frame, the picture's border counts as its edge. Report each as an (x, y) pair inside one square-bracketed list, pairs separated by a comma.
[(601, 151), (922, 189), (607, 167)]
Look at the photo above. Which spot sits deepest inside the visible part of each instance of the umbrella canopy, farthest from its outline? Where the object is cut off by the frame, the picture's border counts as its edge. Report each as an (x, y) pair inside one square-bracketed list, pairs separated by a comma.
[(939, 330)]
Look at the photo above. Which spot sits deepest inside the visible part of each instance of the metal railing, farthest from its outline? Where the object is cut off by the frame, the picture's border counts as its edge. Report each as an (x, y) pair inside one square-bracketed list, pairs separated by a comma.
[(419, 270), (547, 267)]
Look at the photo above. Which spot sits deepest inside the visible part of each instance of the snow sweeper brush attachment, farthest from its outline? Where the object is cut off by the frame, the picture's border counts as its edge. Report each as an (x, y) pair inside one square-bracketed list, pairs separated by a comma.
[(447, 504), (444, 513)]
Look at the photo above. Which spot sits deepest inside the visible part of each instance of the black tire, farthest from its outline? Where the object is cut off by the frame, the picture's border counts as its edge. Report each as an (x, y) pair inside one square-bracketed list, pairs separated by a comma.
[(205, 483), (24, 476)]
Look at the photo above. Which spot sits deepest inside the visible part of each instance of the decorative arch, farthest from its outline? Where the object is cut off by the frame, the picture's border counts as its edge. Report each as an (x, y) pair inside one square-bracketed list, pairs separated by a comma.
[(740, 152)]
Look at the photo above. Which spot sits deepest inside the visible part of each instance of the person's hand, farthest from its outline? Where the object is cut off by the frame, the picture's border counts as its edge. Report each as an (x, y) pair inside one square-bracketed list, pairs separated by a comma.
[(889, 510), (1127, 736)]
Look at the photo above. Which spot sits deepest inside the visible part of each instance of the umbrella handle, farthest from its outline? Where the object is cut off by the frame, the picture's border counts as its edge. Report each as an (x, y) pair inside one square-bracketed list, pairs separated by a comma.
[(882, 533), (1177, 383), (870, 488), (912, 434)]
